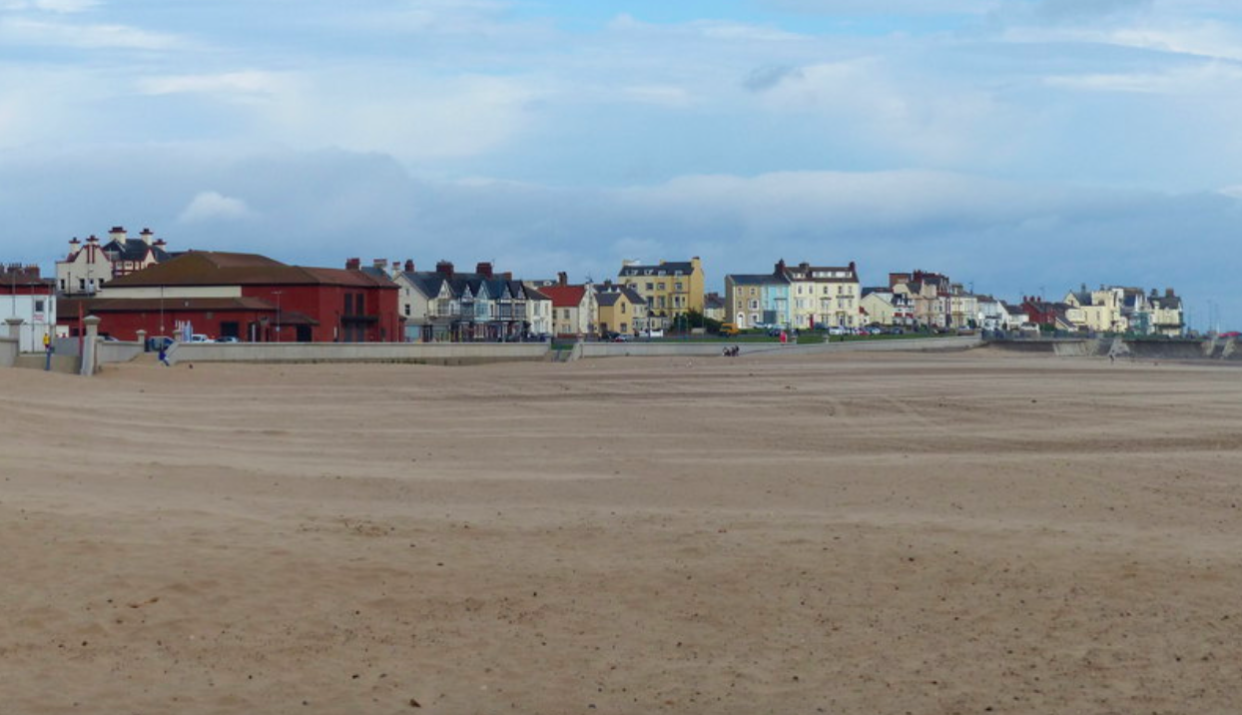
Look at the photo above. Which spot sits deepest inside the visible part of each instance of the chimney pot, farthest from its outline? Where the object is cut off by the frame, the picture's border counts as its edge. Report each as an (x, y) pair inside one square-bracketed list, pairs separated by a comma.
[(379, 262), (353, 264), (409, 266)]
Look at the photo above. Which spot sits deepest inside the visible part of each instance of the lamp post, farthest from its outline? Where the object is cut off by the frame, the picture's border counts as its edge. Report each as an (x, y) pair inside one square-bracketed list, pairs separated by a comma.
[(277, 294)]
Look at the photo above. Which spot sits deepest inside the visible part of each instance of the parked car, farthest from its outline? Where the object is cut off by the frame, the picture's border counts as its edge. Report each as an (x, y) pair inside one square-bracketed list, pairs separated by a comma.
[(836, 330), (654, 333), (227, 339), (199, 338)]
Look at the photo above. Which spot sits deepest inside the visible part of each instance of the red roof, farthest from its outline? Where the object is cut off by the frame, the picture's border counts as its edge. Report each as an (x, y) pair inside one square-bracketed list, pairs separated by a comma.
[(210, 268), (564, 296)]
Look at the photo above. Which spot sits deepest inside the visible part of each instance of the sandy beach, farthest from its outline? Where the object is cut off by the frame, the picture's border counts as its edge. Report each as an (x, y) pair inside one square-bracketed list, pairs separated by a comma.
[(899, 533)]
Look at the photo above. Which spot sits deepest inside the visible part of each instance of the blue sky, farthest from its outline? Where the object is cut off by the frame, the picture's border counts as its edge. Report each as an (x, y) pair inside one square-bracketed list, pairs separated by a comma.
[(1019, 145)]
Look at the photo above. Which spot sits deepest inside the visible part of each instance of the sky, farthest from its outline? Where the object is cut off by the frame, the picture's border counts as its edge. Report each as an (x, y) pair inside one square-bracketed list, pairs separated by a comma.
[(1020, 146)]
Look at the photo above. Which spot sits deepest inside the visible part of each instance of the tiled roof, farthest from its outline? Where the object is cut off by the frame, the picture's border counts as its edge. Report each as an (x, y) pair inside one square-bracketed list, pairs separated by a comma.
[(211, 268), (667, 268), (565, 296), (755, 279)]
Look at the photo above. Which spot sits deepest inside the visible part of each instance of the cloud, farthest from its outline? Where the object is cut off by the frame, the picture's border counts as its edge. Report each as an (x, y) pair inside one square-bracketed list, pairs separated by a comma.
[(213, 206), (883, 7), (67, 6), (767, 77), (19, 31)]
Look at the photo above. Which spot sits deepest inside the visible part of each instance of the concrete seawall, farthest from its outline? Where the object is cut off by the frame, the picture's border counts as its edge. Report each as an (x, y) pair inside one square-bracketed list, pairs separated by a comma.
[(414, 353), (692, 349), (1172, 349)]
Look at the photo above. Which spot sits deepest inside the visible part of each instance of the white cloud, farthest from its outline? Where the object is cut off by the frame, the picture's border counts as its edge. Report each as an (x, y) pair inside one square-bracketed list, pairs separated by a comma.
[(19, 31), (66, 6), (211, 206)]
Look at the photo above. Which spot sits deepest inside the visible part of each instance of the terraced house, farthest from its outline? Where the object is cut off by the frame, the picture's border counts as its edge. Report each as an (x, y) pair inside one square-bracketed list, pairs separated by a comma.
[(757, 300), (444, 305), (621, 310), (823, 295), (670, 288)]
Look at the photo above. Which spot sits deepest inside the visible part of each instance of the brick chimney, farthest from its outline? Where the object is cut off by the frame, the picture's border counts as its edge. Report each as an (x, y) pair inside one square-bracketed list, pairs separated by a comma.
[(445, 269), (484, 269), (562, 278), (353, 264), (409, 265), (780, 267)]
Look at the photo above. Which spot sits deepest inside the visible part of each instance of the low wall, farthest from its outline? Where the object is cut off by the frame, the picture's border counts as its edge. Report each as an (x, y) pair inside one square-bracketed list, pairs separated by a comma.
[(63, 364), (110, 351), (691, 348), (417, 353), (9, 348), (1173, 349)]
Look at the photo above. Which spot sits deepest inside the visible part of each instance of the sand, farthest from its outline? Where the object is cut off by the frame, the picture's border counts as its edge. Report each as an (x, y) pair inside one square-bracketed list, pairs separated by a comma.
[(955, 533)]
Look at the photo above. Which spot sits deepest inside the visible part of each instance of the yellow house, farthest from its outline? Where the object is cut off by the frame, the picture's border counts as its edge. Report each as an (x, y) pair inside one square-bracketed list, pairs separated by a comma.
[(621, 310), (670, 288)]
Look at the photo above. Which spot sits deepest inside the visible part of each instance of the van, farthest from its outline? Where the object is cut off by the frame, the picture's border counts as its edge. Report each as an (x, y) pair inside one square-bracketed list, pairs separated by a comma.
[(728, 329)]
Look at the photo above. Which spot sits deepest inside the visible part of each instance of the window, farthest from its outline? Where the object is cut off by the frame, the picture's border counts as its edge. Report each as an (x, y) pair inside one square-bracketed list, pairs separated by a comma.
[(650, 286), (623, 308), (407, 310), (81, 284), (349, 304), (361, 303), (38, 306), (661, 284), (754, 305), (678, 286), (62, 285)]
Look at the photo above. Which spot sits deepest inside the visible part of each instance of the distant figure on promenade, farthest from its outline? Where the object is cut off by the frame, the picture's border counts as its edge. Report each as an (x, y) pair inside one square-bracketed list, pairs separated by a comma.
[(784, 337), (164, 355)]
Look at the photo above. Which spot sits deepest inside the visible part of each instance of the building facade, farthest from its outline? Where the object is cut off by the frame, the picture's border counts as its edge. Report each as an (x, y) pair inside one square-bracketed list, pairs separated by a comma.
[(28, 297), (91, 264), (243, 296), (670, 288)]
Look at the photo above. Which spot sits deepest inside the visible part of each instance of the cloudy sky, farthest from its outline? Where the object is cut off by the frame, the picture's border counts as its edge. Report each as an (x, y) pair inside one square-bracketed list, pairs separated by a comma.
[(1018, 145)]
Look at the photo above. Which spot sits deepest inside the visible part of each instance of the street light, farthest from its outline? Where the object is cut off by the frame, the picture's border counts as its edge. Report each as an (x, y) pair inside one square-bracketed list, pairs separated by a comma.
[(277, 294)]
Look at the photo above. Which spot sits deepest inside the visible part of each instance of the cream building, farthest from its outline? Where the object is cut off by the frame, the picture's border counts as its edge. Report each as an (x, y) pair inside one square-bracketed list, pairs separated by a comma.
[(823, 295)]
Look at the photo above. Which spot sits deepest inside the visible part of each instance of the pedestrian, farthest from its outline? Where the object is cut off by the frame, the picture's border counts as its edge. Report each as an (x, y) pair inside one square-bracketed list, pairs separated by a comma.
[(164, 354)]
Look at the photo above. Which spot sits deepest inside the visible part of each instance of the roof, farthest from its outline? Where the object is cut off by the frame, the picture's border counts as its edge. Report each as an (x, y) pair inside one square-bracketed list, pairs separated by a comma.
[(133, 249), (565, 296), (713, 300), (68, 306), (212, 268), (754, 279), (667, 268)]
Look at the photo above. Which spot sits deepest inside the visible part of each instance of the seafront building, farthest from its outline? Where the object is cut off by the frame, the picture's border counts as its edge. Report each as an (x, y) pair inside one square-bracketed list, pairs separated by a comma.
[(670, 288), (91, 264), (28, 303), (124, 281), (242, 296)]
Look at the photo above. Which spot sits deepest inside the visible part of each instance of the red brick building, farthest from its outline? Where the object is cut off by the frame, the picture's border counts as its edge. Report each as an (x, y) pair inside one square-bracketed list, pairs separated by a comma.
[(245, 296)]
